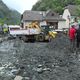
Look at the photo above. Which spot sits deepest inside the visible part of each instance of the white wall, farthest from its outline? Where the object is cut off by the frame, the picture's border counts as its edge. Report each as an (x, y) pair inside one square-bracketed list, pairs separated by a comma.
[(26, 24), (67, 16), (62, 24), (43, 23)]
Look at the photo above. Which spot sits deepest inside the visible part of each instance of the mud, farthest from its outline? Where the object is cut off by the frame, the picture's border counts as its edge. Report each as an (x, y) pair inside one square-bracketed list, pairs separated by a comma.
[(39, 60)]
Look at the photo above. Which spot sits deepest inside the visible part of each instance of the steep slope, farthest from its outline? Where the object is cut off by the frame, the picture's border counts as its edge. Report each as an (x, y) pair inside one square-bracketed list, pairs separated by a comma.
[(7, 15)]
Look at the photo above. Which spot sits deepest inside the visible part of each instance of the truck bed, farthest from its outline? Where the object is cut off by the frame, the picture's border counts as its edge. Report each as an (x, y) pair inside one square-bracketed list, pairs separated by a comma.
[(24, 32)]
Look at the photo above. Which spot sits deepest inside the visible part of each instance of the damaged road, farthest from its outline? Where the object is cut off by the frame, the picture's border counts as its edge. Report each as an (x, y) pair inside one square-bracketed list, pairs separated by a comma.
[(39, 60)]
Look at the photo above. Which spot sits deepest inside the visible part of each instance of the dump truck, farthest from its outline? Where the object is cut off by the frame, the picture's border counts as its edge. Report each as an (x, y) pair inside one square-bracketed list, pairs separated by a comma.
[(33, 32)]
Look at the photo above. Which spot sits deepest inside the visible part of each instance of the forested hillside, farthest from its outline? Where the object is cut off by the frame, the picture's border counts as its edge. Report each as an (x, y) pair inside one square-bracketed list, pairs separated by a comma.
[(56, 5), (7, 15)]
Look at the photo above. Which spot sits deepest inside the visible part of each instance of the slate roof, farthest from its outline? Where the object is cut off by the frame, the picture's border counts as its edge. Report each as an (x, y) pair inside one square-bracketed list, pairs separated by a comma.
[(33, 15), (72, 9), (41, 15)]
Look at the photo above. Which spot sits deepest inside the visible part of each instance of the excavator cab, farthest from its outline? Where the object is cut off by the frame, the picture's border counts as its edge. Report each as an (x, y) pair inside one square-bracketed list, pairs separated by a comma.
[(48, 31), (45, 29)]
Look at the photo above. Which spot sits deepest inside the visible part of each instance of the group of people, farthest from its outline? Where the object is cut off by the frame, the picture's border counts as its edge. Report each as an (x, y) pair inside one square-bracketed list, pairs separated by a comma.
[(74, 35)]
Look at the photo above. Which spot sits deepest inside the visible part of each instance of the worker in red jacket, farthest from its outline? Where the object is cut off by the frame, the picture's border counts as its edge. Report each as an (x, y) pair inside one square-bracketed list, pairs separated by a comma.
[(72, 35)]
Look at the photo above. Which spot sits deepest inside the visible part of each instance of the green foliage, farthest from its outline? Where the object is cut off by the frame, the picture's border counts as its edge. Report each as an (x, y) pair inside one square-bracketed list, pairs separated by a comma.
[(5, 30), (78, 11), (2, 21), (7, 15), (56, 5)]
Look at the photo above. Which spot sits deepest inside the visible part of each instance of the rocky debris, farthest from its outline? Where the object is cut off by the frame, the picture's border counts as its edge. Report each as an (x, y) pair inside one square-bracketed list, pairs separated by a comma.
[(39, 60), (14, 71), (40, 69), (18, 78), (26, 78)]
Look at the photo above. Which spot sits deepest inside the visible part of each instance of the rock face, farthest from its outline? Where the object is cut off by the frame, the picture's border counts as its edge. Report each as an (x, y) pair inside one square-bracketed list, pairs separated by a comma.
[(39, 61)]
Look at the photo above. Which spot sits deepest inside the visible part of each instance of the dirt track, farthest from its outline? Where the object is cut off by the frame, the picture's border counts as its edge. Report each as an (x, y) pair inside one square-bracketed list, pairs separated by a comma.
[(39, 60)]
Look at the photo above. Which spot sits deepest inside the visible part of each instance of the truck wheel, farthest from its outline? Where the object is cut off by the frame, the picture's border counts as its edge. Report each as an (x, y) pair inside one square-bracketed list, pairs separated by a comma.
[(41, 37), (24, 38), (20, 38), (37, 38)]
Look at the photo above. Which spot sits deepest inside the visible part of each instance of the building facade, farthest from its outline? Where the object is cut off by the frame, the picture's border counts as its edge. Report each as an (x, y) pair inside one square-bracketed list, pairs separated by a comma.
[(43, 18)]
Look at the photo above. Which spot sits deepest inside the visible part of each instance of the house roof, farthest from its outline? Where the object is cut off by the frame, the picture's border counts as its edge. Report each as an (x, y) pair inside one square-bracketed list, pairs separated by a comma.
[(72, 9), (52, 16), (55, 19), (33, 15), (41, 15)]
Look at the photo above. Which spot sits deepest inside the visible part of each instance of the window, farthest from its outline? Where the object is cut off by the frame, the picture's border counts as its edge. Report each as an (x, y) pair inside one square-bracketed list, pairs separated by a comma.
[(52, 14)]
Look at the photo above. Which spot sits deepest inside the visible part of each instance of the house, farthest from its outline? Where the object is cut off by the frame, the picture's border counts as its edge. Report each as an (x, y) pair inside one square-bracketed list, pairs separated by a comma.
[(43, 18), (31, 16), (54, 20), (69, 14)]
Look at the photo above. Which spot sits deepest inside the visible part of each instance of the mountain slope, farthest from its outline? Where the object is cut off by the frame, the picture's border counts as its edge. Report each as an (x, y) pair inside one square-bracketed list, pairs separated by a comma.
[(7, 15), (56, 5)]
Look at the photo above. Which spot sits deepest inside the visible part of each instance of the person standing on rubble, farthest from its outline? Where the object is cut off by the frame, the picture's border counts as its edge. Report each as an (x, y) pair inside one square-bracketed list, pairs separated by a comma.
[(76, 23), (72, 35), (78, 37)]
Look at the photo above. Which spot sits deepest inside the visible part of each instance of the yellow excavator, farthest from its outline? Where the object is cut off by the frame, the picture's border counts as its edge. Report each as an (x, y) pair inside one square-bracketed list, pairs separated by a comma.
[(49, 34), (53, 34)]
